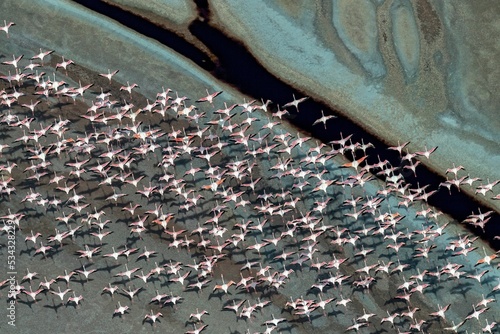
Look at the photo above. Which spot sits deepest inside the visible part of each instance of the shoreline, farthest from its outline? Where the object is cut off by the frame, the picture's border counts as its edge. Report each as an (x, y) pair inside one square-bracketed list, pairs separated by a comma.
[(96, 311)]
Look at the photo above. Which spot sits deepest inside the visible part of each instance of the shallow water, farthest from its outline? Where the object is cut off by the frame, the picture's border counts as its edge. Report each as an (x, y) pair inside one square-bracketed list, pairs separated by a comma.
[(237, 67), (96, 312)]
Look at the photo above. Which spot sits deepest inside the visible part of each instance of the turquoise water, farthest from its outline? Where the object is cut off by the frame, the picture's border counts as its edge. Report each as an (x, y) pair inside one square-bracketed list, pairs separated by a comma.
[(96, 311)]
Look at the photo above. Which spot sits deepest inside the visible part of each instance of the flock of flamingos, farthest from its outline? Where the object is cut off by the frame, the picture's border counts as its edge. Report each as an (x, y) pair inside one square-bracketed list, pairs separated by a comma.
[(197, 199)]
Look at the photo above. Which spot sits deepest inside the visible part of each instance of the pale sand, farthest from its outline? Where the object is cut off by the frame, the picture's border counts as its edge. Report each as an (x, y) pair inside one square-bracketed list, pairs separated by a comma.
[(443, 104), (95, 314)]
